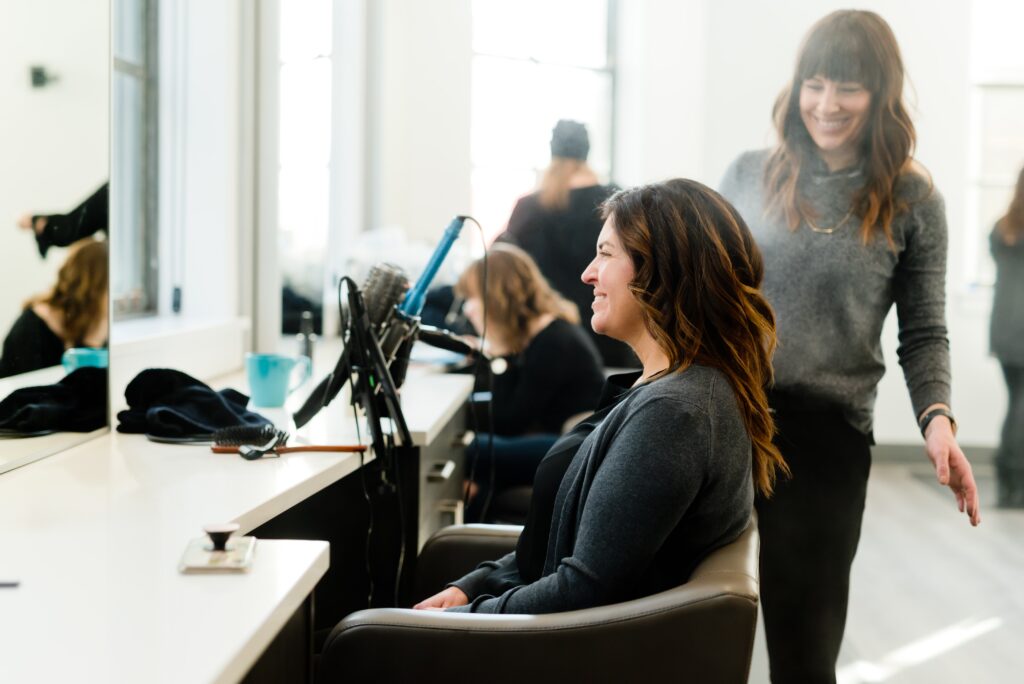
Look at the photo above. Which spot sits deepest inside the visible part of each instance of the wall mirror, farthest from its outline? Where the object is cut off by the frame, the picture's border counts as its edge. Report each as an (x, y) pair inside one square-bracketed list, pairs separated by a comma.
[(55, 75)]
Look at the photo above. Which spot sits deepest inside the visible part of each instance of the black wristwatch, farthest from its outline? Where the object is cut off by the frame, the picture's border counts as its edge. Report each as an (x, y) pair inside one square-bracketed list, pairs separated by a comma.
[(927, 418)]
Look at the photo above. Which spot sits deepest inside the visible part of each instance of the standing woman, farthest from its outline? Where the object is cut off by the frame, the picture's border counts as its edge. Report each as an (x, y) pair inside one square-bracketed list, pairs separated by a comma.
[(849, 224), (1007, 242)]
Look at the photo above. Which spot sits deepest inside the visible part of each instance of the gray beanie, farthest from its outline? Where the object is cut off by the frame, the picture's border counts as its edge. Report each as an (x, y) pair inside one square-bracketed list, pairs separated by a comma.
[(569, 139)]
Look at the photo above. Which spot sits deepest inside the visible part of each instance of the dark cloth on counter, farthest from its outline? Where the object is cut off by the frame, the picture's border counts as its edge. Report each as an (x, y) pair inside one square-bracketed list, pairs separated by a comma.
[(168, 403), (563, 243), (88, 218), (30, 345), (557, 376), (78, 403), (627, 503)]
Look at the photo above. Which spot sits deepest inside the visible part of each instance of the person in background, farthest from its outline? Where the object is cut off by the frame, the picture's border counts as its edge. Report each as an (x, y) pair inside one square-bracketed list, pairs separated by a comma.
[(849, 224), (629, 501), (61, 230), (1007, 339), (72, 314), (558, 224), (546, 370)]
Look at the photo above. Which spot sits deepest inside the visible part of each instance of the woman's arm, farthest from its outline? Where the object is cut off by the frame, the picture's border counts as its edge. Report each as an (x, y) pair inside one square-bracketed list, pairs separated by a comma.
[(919, 288), (648, 477)]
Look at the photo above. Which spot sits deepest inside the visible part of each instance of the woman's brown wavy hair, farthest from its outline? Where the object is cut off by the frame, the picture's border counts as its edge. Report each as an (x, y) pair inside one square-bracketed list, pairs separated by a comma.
[(1011, 226), (698, 278), (517, 293), (80, 294), (855, 46)]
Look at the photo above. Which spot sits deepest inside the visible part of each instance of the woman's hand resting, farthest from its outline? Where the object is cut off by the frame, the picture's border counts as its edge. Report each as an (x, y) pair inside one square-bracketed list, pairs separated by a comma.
[(449, 598)]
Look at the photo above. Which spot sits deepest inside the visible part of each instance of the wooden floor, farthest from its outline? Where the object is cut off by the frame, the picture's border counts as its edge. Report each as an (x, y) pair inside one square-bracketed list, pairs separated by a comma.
[(932, 599)]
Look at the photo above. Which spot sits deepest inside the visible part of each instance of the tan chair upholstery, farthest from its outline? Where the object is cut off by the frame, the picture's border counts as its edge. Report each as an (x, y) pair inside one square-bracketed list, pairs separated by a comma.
[(701, 631)]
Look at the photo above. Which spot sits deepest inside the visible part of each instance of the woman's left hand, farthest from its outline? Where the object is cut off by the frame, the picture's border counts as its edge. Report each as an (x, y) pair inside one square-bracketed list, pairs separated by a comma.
[(952, 467)]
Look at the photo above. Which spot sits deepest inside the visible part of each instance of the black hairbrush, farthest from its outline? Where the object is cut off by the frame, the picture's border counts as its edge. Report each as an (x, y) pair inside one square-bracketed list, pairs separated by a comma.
[(239, 435)]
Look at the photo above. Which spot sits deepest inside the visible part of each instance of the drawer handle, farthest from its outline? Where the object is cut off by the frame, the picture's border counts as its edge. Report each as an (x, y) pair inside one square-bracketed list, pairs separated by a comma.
[(441, 471)]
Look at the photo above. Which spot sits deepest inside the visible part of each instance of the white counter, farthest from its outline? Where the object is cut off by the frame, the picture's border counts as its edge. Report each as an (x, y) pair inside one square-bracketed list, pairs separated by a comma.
[(94, 535)]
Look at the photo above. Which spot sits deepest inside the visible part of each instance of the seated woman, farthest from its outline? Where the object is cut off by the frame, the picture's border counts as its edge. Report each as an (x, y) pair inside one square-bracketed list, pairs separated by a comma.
[(628, 503), (550, 368), (72, 314)]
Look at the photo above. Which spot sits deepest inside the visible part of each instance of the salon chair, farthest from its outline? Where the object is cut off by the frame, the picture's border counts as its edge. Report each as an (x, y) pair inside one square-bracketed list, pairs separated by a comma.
[(701, 631)]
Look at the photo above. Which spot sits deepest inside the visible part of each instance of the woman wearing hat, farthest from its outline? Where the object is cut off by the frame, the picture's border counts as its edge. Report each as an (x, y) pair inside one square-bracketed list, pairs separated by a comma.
[(559, 223)]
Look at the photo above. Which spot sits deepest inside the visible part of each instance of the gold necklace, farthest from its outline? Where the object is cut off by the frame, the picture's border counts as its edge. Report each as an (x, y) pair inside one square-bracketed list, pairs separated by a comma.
[(828, 231)]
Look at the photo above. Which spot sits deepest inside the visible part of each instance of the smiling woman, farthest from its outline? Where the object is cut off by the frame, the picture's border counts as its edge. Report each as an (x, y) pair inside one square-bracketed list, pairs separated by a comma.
[(843, 160)]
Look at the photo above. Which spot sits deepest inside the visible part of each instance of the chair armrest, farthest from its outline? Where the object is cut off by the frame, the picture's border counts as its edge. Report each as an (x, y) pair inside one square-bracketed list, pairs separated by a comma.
[(453, 551)]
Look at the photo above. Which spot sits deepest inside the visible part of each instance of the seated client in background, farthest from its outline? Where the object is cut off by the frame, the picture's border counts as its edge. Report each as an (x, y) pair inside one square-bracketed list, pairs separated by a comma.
[(72, 314), (551, 369), (627, 503)]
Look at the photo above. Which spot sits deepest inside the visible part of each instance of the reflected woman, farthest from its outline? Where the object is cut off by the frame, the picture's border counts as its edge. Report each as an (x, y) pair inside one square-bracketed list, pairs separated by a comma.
[(1007, 243), (628, 502), (72, 314), (849, 224)]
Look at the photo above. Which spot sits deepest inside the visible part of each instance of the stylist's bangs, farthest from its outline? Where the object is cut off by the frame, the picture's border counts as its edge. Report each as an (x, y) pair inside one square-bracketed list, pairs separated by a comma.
[(843, 54)]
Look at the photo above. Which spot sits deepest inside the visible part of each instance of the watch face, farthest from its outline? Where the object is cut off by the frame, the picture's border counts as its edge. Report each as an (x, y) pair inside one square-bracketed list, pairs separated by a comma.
[(499, 366)]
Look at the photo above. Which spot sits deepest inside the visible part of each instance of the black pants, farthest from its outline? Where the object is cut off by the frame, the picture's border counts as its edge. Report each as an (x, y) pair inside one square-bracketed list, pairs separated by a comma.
[(1010, 455), (809, 533)]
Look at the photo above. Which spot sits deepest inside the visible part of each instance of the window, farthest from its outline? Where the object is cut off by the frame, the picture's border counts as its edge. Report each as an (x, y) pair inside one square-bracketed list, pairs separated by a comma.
[(304, 150), (133, 203), (997, 137), (535, 62)]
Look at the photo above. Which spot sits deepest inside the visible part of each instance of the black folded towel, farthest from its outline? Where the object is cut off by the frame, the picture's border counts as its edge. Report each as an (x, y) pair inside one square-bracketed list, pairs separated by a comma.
[(78, 403), (168, 403)]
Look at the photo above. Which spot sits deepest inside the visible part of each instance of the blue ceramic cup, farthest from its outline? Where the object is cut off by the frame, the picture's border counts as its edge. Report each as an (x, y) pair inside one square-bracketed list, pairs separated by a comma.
[(81, 357), (270, 377)]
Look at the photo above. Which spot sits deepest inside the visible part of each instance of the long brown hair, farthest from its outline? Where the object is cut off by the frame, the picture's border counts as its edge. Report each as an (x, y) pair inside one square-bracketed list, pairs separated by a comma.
[(80, 295), (1011, 226), (856, 46), (698, 278), (517, 293)]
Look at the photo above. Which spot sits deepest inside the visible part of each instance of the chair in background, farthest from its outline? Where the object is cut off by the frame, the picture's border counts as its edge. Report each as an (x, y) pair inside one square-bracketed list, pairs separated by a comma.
[(701, 631)]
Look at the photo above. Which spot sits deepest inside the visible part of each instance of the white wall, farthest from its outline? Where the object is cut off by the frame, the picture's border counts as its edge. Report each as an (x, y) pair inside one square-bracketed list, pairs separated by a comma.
[(422, 75), (54, 140)]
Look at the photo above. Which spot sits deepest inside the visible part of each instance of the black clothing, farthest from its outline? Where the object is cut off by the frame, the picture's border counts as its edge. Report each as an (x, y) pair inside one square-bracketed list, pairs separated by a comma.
[(29, 346), (656, 483), (557, 376), (563, 243), (805, 567), (1009, 456), (169, 403), (88, 218), (1007, 319), (78, 403)]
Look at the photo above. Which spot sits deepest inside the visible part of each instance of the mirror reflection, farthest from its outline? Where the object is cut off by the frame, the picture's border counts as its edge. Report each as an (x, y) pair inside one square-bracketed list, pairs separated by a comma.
[(54, 280)]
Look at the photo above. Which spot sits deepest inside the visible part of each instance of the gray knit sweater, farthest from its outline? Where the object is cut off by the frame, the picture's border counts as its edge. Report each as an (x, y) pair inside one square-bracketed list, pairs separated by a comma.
[(662, 481), (831, 293)]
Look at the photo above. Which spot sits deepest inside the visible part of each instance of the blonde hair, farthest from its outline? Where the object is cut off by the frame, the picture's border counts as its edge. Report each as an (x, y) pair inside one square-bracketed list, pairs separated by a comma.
[(80, 294), (555, 184), (517, 293)]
